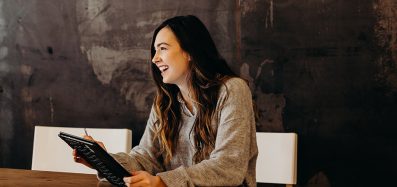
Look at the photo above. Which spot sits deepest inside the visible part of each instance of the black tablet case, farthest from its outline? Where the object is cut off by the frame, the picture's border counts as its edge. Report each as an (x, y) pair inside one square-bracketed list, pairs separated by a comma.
[(97, 157)]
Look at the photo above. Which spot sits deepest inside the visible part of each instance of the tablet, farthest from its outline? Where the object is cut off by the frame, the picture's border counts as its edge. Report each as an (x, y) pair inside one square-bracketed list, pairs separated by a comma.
[(97, 157)]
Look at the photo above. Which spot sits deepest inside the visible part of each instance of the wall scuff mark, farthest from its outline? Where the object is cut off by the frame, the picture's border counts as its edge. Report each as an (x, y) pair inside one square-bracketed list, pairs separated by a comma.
[(386, 32), (269, 16)]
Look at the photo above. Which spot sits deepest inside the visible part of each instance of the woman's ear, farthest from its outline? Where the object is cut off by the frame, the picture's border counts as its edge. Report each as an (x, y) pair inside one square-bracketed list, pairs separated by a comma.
[(187, 55)]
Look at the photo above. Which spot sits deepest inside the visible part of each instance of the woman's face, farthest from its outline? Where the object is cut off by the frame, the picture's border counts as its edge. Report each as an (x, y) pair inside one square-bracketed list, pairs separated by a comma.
[(170, 58)]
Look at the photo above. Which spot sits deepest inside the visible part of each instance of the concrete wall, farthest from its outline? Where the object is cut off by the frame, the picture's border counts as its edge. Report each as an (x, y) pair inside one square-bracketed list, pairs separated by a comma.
[(325, 69)]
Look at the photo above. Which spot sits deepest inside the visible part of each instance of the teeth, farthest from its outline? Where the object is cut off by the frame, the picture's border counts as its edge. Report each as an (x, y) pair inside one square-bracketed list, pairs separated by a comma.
[(163, 68)]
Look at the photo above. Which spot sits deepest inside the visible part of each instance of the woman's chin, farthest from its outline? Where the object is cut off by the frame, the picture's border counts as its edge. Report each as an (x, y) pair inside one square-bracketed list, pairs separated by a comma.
[(166, 81)]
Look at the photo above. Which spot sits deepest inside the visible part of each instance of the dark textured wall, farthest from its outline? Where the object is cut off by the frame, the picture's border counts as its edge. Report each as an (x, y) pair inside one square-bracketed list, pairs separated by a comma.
[(325, 69)]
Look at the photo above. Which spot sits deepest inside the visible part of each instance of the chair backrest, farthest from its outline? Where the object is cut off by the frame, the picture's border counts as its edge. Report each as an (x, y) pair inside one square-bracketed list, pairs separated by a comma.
[(50, 153), (277, 158)]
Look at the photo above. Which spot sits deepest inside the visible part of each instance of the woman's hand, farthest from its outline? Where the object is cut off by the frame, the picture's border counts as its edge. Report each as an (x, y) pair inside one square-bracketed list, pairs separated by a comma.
[(92, 139), (81, 160), (143, 178)]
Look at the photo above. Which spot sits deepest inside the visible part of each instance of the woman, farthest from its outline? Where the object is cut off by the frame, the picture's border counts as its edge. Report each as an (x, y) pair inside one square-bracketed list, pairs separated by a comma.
[(201, 129)]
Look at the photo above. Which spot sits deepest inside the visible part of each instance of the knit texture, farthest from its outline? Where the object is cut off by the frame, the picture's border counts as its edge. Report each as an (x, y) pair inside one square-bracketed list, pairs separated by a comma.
[(231, 163)]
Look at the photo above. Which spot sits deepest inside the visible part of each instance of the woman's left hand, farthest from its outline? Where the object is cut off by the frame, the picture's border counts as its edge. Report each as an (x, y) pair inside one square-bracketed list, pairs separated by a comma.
[(143, 178)]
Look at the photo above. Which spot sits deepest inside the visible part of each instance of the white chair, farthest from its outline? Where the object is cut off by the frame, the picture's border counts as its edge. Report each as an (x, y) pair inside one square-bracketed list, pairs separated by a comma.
[(277, 158), (51, 153)]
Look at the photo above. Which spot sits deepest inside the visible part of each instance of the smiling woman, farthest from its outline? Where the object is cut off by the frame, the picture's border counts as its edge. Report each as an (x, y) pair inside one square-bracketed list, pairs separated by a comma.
[(170, 58), (201, 129)]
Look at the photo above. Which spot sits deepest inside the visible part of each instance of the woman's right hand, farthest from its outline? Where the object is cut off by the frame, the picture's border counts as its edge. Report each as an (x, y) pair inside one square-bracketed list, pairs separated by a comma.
[(81, 160)]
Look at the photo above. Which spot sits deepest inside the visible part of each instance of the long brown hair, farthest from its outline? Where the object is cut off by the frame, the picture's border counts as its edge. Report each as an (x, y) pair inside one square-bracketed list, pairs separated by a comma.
[(208, 71)]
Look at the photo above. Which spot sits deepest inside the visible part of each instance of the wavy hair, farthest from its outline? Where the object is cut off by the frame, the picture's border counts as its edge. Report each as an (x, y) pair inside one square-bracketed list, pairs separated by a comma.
[(208, 71)]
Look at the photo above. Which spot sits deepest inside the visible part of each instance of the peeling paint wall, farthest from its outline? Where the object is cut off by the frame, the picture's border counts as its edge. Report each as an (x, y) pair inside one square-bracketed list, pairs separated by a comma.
[(324, 69), (386, 34), (84, 63)]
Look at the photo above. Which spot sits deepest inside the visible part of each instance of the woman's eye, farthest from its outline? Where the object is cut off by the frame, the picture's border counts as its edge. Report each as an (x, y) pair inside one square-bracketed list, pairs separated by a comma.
[(163, 48)]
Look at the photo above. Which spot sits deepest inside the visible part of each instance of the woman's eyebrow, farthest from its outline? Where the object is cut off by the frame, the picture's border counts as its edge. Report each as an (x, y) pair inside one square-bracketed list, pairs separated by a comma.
[(158, 45)]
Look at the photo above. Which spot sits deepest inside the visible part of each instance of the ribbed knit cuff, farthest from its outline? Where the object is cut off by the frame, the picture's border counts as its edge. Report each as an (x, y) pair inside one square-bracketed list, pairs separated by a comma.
[(177, 177)]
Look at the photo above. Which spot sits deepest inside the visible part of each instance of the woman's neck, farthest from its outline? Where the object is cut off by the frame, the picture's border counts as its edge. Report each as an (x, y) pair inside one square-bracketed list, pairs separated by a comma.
[(188, 97)]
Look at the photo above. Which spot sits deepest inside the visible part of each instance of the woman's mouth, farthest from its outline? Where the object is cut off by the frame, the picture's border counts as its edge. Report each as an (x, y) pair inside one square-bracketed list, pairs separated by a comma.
[(163, 68)]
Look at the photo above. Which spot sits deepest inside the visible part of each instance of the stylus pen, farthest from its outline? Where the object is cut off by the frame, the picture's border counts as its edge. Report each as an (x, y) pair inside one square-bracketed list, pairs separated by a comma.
[(85, 131)]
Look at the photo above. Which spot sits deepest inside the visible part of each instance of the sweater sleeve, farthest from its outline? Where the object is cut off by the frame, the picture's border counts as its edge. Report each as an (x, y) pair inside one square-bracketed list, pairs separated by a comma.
[(228, 162), (145, 156)]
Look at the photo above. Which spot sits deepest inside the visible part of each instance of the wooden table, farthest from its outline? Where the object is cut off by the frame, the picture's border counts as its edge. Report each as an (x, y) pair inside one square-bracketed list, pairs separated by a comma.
[(20, 177)]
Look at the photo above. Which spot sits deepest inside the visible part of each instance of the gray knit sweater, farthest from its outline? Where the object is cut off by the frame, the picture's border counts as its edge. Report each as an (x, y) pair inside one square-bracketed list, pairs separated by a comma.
[(231, 163)]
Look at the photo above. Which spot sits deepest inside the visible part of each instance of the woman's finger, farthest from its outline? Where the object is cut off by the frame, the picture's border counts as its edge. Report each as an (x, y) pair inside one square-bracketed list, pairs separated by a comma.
[(92, 139), (79, 159), (84, 162), (102, 145), (88, 137), (133, 179)]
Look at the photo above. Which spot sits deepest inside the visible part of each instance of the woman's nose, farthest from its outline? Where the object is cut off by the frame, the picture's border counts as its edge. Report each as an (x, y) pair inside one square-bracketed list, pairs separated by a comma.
[(155, 58)]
